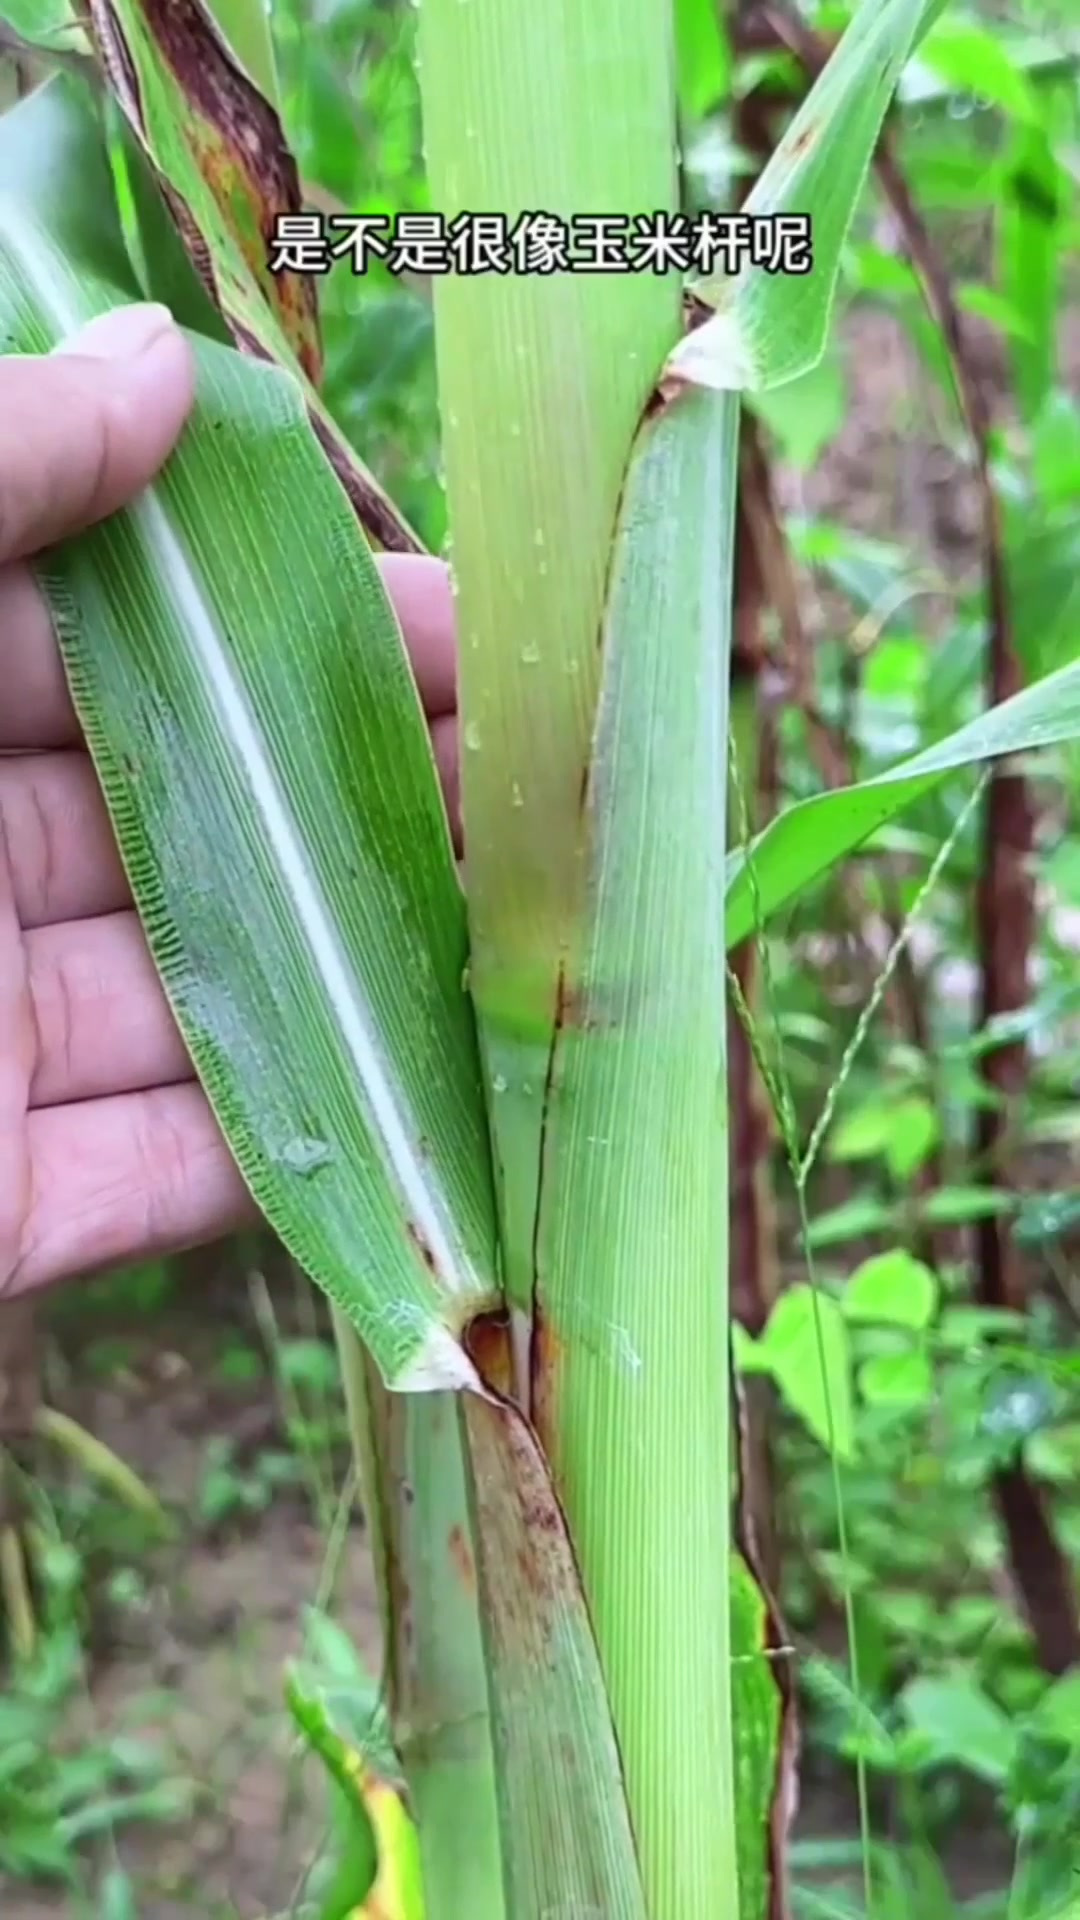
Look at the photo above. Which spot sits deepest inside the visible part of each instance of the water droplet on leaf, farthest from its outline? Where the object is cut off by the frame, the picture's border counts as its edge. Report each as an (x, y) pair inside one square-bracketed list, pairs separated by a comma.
[(305, 1156)]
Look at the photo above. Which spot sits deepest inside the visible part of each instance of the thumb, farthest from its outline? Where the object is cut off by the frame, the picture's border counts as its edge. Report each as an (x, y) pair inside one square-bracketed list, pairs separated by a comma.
[(84, 429)]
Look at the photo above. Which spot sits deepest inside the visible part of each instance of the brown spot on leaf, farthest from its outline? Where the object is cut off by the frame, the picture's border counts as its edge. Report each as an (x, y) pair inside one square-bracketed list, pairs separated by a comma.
[(421, 1245), (695, 312), (805, 139), (571, 1006)]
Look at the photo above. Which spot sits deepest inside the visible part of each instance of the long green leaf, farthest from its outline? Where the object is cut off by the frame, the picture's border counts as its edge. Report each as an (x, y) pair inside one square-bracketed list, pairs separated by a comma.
[(770, 327), (260, 743), (399, 921), (219, 153), (808, 839)]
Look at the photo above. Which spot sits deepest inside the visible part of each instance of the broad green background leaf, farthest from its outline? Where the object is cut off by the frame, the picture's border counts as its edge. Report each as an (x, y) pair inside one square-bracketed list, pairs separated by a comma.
[(901, 1132), (974, 60), (807, 1350), (892, 1289), (1030, 259), (960, 1723), (806, 413), (1058, 1712), (258, 736), (704, 56), (896, 1379), (52, 25)]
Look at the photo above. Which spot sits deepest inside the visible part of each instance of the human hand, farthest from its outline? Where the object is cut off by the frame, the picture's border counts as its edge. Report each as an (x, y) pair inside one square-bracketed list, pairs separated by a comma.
[(109, 1152)]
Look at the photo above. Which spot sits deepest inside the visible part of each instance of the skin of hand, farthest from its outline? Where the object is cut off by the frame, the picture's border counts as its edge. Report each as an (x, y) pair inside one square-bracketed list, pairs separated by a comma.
[(109, 1153)]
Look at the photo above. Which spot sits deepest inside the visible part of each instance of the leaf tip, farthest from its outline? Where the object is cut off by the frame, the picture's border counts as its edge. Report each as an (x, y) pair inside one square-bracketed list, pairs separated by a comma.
[(441, 1365)]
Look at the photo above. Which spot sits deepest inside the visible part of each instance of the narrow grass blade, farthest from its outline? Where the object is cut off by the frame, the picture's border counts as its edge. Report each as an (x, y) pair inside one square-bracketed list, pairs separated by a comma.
[(98, 1461), (631, 1351), (811, 837), (769, 327), (258, 737), (217, 147)]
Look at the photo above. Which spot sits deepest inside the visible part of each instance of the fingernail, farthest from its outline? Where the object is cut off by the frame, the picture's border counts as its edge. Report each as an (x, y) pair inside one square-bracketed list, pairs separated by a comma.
[(123, 334)]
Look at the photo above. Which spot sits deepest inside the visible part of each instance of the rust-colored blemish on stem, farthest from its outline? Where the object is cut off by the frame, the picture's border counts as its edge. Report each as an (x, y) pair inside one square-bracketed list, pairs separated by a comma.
[(462, 1558), (487, 1343)]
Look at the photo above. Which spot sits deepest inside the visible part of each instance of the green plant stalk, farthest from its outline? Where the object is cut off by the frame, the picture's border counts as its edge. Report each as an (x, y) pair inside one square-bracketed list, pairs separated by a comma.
[(632, 1305), (543, 383), (567, 110), (409, 1458), (423, 1538)]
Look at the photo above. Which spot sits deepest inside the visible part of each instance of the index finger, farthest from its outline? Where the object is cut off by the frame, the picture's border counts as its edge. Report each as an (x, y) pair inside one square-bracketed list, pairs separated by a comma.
[(84, 429)]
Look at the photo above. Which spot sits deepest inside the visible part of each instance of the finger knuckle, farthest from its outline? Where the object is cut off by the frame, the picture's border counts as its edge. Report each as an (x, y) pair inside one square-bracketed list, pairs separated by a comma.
[(163, 1163)]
